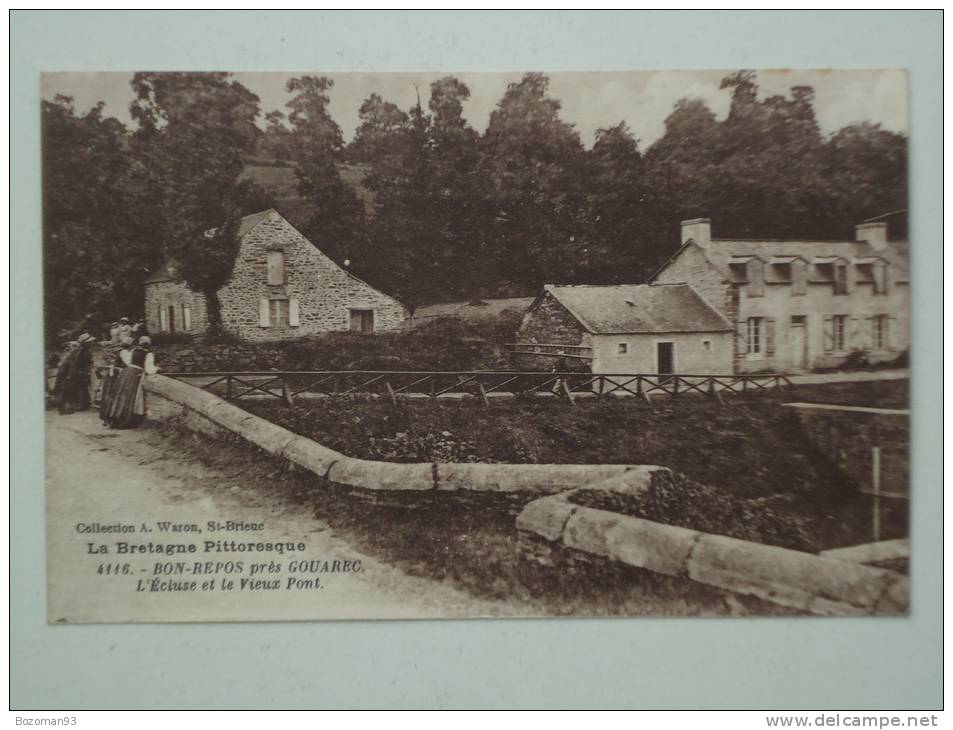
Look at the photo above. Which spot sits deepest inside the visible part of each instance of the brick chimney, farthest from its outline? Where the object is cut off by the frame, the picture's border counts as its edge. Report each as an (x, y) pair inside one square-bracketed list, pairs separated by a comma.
[(875, 234), (697, 229)]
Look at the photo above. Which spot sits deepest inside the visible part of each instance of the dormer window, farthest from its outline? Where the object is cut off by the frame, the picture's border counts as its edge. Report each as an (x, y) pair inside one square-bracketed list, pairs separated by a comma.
[(276, 268), (780, 271), (840, 277), (872, 270), (739, 272)]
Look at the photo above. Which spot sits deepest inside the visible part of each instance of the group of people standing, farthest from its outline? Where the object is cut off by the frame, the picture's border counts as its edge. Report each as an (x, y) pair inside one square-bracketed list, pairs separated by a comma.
[(108, 373)]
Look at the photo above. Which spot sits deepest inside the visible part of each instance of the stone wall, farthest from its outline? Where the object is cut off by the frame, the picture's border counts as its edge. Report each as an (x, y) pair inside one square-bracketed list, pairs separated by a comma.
[(176, 294), (846, 434), (171, 400), (803, 581), (550, 323), (693, 267), (321, 291)]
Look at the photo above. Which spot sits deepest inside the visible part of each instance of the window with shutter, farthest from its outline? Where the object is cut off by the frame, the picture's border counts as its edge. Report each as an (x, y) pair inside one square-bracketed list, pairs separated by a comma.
[(264, 320), (755, 278), (187, 317), (163, 319), (839, 332), (741, 337), (276, 268), (840, 278), (880, 278), (828, 334), (362, 320), (293, 315), (755, 335), (278, 312), (878, 336), (769, 335), (798, 278)]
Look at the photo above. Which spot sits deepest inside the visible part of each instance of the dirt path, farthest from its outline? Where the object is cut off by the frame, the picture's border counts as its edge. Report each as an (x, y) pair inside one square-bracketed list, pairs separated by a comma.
[(97, 476)]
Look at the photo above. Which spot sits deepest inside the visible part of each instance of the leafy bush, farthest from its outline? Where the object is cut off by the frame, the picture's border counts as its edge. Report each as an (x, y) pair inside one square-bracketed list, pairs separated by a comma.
[(170, 338), (444, 344), (676, 500)]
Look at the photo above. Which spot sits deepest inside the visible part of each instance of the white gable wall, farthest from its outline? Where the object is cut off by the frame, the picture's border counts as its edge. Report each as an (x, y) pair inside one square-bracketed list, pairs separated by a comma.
[(692, 356)]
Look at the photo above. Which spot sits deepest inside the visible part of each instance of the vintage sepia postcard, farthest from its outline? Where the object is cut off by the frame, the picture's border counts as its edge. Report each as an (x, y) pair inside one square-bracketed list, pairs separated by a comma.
[(456, 345)]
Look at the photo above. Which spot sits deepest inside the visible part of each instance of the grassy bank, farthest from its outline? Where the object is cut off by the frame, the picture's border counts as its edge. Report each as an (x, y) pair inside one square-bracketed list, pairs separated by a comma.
[(466, 540), (751, 449)]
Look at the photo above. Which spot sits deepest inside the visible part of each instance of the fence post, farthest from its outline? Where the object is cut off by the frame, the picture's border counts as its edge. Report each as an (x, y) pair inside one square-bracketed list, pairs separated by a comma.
[(390, 392), (566, 392), (285, 393), (875, 455), (228, 387), (483, 397)]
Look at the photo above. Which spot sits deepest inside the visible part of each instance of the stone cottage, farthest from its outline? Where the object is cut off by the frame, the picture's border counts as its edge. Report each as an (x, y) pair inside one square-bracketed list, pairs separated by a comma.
[(629, 328), (281, 287), (796, 305)]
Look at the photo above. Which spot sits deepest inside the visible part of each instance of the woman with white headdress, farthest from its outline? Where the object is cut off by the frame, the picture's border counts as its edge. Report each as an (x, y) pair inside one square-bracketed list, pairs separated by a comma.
[(127, 406)]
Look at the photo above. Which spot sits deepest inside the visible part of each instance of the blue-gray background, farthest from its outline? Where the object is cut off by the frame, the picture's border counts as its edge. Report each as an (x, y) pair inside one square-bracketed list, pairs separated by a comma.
[(634, 663)]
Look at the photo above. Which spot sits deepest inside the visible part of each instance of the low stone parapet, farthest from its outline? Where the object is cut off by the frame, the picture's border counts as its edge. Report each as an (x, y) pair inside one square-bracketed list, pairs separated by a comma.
[(811, 583), (202, 411)]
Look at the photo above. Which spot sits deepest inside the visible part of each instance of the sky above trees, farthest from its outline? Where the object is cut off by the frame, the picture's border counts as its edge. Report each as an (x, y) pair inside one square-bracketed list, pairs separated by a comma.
[(590, 101)]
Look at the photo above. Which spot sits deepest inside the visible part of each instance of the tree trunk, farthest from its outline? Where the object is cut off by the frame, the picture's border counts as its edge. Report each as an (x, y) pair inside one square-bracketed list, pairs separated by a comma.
[(213, 309)]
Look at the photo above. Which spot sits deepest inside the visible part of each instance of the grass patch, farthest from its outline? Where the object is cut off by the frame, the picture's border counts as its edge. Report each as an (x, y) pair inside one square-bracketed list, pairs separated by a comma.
[(468, 540), (750, 449)]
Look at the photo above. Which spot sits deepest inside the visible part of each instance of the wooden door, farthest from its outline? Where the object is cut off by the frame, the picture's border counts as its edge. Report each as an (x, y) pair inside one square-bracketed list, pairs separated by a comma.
[(665, 354)]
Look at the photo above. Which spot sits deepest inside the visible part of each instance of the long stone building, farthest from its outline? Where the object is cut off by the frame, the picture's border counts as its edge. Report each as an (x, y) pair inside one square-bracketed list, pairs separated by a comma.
[(281, 287), (626, 328), (798, 305), (721, 306)]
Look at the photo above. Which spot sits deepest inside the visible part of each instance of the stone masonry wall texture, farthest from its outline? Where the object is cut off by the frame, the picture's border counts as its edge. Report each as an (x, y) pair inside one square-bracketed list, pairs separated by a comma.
[(324, 293), (549, 323), (846, 436), (176, 294)]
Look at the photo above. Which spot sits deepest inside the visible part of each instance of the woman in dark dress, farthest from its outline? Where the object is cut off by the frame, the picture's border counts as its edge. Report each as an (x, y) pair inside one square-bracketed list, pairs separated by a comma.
[(127, 407), (110, 378), (74, 395)]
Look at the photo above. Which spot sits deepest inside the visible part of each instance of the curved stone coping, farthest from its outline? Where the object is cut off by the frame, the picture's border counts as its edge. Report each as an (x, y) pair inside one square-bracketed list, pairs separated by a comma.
[(811, 583), (384, 475)]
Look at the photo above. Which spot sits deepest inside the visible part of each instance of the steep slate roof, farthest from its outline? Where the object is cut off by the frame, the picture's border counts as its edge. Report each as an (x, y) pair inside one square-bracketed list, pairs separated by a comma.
[(169, 271), (720, 250), (639, 308)]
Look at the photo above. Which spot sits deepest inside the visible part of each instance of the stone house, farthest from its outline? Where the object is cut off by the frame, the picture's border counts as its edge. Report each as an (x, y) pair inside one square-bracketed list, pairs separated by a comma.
[(796, 305), (281, 287), (625, 329)]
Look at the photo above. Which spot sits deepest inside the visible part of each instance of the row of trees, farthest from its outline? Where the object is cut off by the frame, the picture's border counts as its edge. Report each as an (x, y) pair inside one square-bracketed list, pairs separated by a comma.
[(456, 214)]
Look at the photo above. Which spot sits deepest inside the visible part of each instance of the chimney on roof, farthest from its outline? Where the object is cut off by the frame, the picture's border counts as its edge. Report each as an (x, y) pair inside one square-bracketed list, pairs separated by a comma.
[(874, 234), (698, 230)]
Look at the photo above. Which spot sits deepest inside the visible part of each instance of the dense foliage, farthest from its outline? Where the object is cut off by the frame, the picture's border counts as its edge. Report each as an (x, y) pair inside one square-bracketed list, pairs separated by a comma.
[(454, 214)]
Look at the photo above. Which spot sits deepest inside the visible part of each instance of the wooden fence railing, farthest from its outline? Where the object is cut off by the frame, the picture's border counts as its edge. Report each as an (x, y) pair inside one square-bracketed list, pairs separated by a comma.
[(287, 384)]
